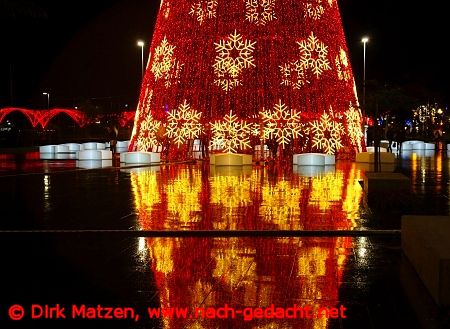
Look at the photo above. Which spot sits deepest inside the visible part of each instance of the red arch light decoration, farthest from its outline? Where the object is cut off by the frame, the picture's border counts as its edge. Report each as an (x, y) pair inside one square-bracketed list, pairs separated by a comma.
[(30, 115), (77, 116), (43, 117), (248, 72)]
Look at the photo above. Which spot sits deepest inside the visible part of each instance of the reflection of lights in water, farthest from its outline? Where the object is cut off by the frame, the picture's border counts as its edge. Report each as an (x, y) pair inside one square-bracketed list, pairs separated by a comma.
[(177, 199), (46, 183), (341, 252), (230, 191), (183, 198), (202, 294), (280, 203), (47, 189), (362, 250), (239, 271), (141, 244), (311, 267), (146, 194), (326, 190), (439, 160), (438, 173), (244, 272), (142, 251), (234, 262), (353, 195), (311, 262), (161, 254)]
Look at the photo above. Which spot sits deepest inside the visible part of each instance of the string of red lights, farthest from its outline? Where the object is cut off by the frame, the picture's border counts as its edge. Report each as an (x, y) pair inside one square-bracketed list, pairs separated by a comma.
[(257, 63), (43, 117)]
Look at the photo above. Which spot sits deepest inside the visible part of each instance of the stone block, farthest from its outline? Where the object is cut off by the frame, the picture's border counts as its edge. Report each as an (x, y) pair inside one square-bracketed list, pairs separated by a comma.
[(369, 157), (426, 244), (386, 181)]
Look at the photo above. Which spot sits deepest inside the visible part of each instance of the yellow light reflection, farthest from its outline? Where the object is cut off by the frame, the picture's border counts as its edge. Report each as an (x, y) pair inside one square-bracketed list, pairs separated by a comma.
[(326, 190), (145, 189), (280, 204), (235, 264), (183, 199), (247, 273), (353, 196), (230, 192), (160, 251)]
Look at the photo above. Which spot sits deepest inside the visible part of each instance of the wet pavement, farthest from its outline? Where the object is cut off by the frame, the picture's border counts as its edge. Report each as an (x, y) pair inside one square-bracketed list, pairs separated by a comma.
[(364, 273)]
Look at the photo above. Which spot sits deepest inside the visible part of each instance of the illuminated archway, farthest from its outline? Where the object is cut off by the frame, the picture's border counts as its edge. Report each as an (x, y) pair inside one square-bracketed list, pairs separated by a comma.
[(29, 114), (77, 116), (43, 117)]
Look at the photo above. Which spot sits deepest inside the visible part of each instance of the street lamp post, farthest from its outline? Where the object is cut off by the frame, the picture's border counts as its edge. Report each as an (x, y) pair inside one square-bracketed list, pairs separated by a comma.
[(364, 40), (142, 44), (48, 100)]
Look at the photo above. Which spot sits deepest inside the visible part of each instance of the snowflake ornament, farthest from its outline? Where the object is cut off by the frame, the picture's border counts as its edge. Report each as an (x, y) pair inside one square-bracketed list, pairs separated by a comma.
[(354, 121), (165, 66), (293, 75), (260, 12), (326, 134), (234, 54), (184, 124), (316, 8), (342, 66), (313, 55), (203, 10), (282, 124), (145, 106), (231, 134), (147, 139)]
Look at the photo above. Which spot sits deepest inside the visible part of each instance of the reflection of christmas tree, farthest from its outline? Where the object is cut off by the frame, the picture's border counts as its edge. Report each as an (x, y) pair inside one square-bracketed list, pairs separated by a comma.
[(242, 57)]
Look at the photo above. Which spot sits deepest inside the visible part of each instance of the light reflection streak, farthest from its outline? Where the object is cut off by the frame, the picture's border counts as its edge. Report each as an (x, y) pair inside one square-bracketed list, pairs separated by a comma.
[(247, 272), (186, 198)]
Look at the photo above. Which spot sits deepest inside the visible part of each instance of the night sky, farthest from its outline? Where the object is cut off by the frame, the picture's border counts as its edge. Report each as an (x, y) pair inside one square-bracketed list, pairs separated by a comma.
[(85, 49)]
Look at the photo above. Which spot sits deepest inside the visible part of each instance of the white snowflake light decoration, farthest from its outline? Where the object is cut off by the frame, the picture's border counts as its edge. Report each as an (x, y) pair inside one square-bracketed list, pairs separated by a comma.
[(354, 121), (313, 55), (293, 75), (342, 66), (174, 75), (184, 124), (326, 134), (234, 54), (255, 129), (314, 11), (165, 65), (203, 10), (147, 139), (146, 101), (282, 124), (231, 134), (316, 8), (260, 12)]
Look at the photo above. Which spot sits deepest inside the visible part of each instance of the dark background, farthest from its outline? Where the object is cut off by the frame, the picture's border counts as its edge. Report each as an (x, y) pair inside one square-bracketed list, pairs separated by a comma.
[(86, 49)]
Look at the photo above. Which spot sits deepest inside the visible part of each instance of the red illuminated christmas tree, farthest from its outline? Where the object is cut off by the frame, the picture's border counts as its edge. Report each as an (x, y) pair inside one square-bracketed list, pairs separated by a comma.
[(240, 73)]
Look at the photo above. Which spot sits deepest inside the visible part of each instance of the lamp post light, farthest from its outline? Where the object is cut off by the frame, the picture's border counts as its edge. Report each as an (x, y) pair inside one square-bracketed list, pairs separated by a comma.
[(142, 44), (364, 40), (48, 100)]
